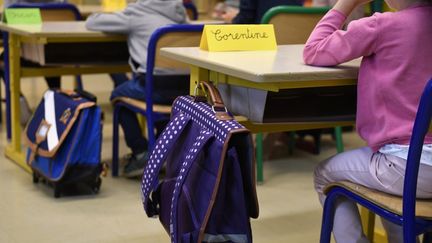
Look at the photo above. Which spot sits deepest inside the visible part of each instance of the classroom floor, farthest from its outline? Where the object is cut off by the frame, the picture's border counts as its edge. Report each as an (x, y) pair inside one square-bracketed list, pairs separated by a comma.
[(289, 209)]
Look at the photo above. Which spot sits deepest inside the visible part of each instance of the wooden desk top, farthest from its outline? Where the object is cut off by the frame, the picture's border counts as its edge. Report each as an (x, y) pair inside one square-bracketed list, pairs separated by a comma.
[(86, 10), (285, 64), (54, 29)]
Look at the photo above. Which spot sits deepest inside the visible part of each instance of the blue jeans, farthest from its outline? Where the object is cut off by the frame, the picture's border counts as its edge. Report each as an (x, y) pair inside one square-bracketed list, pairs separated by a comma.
[(166, 89)]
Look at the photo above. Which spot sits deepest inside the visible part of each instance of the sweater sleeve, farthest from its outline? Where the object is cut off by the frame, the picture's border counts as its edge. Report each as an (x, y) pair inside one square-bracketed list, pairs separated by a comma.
[(328, 45), (118, 22)]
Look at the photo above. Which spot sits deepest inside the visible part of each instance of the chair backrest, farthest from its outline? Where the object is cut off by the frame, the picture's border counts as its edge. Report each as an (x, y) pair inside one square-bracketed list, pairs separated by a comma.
[(172, 36), (420, 129), (191, 10), (53, 11), (76, 2), (183, 35), (293, 24)]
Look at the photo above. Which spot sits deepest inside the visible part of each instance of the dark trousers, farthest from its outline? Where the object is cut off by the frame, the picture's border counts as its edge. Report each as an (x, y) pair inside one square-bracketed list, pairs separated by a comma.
[(52, 82), (166, 89)]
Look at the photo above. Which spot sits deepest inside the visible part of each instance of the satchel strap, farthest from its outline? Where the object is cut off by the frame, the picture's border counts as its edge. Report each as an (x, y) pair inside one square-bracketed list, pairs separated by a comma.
[(218, 105), (191, 156), (166, 140)]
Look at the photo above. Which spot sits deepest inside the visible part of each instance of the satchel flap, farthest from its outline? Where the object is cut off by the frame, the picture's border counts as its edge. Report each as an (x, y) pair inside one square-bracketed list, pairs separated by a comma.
[(52, 121)]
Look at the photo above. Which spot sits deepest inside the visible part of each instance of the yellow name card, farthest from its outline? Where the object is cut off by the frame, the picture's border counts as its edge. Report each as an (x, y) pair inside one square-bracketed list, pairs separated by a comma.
[(241, 37), (113, 5)]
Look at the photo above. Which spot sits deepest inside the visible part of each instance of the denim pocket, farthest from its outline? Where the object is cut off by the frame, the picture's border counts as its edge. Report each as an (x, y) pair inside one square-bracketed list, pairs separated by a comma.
[(389, 173)]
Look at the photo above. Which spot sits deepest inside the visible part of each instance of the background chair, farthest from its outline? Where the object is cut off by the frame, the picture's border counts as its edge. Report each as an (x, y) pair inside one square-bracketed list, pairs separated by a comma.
[(293, 25), (49, 12), (191, 10), (168, 36), (415, 216)]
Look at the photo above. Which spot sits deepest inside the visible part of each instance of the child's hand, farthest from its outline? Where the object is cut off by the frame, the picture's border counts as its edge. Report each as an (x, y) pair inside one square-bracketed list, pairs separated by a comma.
[(347, 6), (229, 14)]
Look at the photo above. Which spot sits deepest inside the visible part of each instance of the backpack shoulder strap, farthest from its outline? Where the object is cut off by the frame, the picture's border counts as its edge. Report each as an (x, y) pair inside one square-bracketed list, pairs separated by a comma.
[(166, 140), (191, 156)]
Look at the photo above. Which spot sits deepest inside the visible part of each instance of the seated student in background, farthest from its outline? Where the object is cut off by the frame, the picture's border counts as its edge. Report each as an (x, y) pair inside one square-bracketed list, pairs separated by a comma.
[(138, 21), (251, 11), (397, 62)]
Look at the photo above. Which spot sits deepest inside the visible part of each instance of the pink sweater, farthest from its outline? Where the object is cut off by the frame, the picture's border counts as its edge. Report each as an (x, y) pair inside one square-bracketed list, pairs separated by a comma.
[(397, 63)]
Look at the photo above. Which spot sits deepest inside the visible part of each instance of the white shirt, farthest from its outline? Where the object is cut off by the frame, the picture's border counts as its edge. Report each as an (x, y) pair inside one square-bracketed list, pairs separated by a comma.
[(401, 151)]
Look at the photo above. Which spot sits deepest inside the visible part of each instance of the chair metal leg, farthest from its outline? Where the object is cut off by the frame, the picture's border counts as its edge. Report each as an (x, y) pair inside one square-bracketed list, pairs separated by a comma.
[(115, 142), (328, 218), (259, 157), (7, 86), (78, 83), (409, 231), (291, 143)]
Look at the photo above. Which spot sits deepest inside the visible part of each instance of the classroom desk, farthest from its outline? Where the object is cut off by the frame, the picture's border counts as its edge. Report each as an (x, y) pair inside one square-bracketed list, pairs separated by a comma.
[(49, 32), (272, 71), (86, 10), (266, 70)]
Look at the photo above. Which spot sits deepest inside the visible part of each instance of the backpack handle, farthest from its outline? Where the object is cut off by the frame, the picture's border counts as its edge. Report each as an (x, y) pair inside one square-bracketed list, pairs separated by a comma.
[(218, 105)]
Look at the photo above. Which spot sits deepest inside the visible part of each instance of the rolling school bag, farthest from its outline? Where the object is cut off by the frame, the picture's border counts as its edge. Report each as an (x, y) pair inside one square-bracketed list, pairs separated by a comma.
[(64, 138), (208, 192)]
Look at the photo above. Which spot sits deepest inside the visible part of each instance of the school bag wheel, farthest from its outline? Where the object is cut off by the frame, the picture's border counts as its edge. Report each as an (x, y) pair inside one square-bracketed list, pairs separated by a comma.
[(35, 178)]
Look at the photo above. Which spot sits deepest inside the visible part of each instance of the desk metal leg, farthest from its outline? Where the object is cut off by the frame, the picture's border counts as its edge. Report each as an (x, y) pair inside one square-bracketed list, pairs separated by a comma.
[(368, 222), (13, 150), (197, 74)]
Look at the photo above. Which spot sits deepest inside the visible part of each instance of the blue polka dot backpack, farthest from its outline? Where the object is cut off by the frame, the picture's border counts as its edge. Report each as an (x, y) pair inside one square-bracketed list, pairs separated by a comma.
[(208, 190)]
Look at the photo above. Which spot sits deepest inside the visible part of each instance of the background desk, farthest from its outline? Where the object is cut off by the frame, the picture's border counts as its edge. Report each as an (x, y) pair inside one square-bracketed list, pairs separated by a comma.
[(49, 32)]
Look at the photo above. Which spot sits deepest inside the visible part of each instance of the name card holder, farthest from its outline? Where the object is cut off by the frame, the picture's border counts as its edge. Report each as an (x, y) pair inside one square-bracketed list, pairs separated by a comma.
[(233, 37), (23, 16)]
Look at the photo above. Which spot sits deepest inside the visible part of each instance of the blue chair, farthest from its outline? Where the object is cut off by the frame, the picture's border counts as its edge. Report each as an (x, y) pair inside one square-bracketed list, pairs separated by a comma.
[(191, 10), (415, 216), (167, 36), (49, 12)]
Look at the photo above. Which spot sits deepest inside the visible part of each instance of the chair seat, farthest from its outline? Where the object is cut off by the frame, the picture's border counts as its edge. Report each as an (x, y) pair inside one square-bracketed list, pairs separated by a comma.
[(389, 202), (166, 109)]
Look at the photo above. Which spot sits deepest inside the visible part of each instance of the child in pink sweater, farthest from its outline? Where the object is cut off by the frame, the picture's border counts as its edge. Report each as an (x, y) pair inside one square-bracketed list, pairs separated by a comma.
[(397, 62)]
